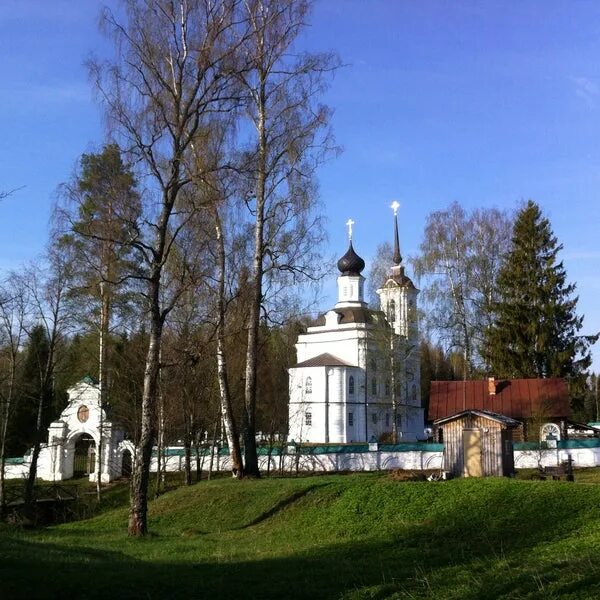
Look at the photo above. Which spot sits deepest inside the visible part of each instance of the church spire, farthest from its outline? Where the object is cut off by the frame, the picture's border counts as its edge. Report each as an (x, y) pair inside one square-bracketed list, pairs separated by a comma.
[(397, 258)]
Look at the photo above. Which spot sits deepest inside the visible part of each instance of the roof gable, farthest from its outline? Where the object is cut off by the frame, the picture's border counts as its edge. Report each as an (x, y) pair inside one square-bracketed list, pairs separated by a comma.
[(323, 360), (481, 413)]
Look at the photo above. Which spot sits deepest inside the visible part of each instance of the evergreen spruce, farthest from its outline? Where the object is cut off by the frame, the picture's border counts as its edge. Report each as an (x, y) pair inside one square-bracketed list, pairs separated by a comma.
[(536, 326)]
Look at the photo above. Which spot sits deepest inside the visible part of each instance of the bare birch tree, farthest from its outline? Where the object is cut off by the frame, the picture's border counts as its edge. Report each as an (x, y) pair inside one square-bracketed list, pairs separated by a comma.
[(170, 74), (291, 137), (48, 291), (459, 261), (13, 316)]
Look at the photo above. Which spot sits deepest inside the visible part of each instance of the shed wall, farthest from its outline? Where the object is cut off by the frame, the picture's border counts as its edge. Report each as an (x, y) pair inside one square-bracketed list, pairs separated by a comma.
[(491, 445)]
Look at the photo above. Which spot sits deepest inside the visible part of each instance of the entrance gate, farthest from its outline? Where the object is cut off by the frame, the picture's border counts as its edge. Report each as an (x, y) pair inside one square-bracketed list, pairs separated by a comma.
[(84, 460)]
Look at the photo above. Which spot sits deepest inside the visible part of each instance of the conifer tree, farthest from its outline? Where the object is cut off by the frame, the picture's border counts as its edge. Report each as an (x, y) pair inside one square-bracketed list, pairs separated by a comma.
[(535, 332)]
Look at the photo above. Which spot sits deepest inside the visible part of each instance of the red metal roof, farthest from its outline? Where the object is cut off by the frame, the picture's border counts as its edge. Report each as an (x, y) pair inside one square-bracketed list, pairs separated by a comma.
[(516, 398)]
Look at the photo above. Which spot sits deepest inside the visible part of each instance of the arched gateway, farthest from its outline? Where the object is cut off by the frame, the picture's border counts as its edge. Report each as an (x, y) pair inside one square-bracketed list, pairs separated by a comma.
[(74, 439)]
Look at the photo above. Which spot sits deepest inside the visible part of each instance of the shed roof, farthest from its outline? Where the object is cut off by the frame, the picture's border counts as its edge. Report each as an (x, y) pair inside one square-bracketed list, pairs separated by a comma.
[(516, 398), (324, 360), (480, 413)]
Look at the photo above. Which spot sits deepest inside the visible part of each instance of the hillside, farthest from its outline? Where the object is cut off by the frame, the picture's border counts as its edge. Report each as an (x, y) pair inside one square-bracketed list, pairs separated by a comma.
[(358, 536)]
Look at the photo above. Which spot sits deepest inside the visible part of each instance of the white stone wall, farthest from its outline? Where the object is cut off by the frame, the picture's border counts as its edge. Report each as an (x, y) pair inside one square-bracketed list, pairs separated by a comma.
[(361, 461), (581, 457)]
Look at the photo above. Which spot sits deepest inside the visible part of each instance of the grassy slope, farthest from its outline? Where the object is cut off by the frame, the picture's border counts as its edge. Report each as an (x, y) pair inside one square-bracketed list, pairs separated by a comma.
[(359, 536)]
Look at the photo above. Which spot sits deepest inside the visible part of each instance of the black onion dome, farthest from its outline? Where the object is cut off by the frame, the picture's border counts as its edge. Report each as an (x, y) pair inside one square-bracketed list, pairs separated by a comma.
[(351, 263)]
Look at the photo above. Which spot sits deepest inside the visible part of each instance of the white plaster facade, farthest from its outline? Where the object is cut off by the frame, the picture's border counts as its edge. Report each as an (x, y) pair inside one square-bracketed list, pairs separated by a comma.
[(81, 417), (358, 364)]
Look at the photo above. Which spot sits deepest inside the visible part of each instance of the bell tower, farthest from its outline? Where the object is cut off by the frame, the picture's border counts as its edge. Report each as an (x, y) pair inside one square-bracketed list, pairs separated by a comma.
[(398, 295)]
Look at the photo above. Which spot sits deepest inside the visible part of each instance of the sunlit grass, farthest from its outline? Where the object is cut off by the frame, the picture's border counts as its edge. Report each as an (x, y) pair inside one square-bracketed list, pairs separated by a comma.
[(355, 536)]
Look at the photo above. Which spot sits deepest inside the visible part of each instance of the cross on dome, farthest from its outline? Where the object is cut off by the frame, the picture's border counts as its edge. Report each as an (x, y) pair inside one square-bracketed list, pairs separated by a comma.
[(349, 224), (397, 258)]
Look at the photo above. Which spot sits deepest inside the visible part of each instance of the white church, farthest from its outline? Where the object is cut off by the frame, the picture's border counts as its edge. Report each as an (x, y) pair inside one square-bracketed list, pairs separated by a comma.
[(358, 371)]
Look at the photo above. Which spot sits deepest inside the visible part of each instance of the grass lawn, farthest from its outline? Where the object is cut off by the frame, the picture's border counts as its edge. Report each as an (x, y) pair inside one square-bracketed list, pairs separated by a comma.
[(337, 536)]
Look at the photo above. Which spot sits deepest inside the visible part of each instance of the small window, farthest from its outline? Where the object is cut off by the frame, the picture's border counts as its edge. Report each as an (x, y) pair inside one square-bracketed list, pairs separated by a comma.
[(414, 392), (308, 419), (308, 385), (392, 311), (387, 419), (351, 419), (387, 388), (374, 418), (83, 414), (398, 420), (373, 365), (374, 386), (351, 386)]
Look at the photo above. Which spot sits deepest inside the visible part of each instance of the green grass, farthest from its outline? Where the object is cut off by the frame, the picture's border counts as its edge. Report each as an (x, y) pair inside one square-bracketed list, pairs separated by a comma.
[(354, 536)]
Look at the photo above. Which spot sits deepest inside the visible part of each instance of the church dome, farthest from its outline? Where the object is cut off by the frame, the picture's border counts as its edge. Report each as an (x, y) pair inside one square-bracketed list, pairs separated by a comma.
[(351, 263)]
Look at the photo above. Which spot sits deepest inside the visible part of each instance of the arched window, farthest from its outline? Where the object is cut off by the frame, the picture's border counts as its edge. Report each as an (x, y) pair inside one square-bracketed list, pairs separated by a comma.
[(392, 311), (373, 365), (374, 386), (351, 385), (308, 385), (387, 388), (414, 392)]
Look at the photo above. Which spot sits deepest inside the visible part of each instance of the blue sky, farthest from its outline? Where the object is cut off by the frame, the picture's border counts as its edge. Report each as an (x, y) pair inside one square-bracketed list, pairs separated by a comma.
[(487, 103)]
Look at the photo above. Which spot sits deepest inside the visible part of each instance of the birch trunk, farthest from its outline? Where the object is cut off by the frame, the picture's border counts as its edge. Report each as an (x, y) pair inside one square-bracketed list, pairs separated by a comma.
[(138, 524), (229, 423), (102, 376), (250, 454)]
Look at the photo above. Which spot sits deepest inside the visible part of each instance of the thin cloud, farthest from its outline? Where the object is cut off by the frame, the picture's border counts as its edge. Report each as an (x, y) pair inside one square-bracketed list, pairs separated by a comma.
[(587, 89)]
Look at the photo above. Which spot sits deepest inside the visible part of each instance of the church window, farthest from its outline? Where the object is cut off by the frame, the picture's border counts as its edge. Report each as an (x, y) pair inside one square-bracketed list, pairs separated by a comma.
[(308, 385), (374, 386), (392, 311), (387, 419), (351, 385), (308, 419), (83, 414), (387, 388), (374, 418), (414, 392), (373, 365), (351, 419), (398, 420)]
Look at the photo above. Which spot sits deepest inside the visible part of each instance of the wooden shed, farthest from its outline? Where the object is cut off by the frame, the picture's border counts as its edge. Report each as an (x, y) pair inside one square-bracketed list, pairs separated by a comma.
[(477, 443)]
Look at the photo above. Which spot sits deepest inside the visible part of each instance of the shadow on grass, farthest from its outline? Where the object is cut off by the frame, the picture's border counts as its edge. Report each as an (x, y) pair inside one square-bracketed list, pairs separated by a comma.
[(284, 503), (478, 547)]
